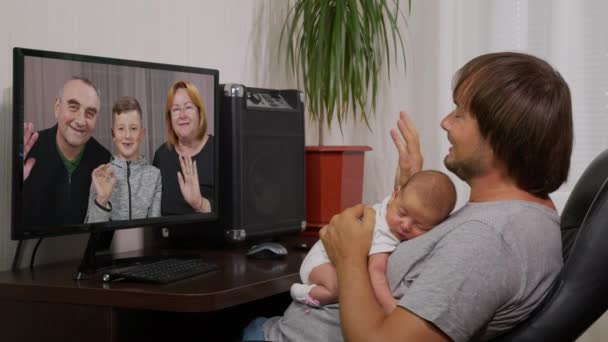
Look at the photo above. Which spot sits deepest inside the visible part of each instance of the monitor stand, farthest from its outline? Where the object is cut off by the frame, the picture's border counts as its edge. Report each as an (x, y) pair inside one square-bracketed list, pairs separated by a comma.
[(97, 254)]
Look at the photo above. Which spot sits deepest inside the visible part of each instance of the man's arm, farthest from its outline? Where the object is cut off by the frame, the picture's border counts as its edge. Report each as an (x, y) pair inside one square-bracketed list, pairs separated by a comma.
[(347, 240), (377, 274)]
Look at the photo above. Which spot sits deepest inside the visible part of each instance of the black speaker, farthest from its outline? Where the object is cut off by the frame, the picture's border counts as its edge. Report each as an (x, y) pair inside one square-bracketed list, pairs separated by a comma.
[(262, 170)]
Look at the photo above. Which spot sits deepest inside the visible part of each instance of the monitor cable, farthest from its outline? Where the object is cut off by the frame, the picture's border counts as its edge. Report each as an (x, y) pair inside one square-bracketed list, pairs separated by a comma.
[(17, 256), (34, 253)]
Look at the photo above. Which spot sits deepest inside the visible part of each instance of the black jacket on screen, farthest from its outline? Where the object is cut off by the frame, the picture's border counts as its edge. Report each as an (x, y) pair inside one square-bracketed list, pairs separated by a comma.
[(50, 194)]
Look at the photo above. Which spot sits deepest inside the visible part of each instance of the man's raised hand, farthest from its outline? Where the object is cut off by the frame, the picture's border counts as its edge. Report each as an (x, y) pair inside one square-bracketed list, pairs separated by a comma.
[(407, 143)]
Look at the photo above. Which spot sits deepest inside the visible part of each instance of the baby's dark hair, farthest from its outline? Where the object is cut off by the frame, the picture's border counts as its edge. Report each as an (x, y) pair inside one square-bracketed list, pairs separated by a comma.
[(435, 190)]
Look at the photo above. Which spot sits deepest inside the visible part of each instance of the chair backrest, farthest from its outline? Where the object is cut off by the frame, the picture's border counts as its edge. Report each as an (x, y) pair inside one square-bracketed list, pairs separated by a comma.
[(579, 294)]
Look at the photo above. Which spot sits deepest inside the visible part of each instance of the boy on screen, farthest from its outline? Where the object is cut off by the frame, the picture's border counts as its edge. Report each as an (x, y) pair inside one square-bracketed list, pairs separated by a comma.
[(127, 187)]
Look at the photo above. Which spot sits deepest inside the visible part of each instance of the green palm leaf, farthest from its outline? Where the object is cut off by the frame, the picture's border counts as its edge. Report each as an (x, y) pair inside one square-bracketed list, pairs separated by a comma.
[(336, 48)]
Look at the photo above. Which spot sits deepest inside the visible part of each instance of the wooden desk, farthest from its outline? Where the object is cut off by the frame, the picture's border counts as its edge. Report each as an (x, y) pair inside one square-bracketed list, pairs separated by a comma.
[(46, 304)]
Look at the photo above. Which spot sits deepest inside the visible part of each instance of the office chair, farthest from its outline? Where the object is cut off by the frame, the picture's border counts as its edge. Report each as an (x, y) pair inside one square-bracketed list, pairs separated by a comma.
[(579, 294)]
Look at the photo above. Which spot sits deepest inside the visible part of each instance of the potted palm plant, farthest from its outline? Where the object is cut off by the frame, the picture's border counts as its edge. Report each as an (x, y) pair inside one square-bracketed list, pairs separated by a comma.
[(337, 49)]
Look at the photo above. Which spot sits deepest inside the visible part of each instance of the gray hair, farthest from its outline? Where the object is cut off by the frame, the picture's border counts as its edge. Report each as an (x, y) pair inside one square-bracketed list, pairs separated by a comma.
[(81, 79)]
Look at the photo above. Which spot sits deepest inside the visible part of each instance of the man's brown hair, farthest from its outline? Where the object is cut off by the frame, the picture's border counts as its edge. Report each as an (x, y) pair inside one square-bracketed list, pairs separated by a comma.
[(524, 110)]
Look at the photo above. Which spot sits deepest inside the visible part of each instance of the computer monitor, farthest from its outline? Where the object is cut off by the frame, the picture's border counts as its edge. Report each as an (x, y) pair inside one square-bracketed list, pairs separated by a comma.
[(69, 100)]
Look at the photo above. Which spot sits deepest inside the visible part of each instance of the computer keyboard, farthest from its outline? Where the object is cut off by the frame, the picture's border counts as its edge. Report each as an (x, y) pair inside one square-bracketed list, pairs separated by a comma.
[(162, 271)]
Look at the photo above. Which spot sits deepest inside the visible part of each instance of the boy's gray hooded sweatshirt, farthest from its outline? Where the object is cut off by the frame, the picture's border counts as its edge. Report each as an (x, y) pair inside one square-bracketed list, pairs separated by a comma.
[(136, 193)]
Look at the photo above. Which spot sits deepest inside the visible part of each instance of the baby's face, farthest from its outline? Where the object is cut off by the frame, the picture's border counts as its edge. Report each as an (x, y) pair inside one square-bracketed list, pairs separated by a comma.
[(127, 134), (407, 217)]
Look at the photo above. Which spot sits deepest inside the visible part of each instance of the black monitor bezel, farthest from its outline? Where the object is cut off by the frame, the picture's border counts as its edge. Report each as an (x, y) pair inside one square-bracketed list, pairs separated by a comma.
[(18, 231)]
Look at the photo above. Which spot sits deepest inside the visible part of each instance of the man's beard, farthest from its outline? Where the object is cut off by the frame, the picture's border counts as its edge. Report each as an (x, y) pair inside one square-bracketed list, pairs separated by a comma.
[(467, 168)]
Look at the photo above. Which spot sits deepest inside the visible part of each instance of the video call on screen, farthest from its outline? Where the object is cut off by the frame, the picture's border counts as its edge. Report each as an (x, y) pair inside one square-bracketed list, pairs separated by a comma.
[(45, 77)]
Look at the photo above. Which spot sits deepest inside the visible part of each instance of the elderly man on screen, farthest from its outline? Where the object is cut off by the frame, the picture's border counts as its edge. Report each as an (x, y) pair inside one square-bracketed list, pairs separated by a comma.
[(58, 161)]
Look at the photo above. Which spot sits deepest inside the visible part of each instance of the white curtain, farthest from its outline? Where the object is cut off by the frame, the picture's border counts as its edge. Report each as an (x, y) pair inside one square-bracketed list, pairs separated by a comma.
[(443, 35), (571, 35)]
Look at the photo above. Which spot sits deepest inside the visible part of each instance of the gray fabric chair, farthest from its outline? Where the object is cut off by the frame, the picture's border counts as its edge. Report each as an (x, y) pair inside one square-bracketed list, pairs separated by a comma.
[(579, 295)]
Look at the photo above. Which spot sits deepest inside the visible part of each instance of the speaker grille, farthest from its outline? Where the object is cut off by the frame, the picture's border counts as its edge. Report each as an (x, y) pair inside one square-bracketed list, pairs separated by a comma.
[(273, 168)]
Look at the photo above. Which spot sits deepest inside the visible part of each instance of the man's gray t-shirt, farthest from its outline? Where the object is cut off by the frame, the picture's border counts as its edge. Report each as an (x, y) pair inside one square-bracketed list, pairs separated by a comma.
[(474, 276)]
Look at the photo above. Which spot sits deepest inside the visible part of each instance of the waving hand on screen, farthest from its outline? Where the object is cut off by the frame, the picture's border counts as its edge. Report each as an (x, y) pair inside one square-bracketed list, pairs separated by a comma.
[(29, 139), (189, 185), (104, 179)]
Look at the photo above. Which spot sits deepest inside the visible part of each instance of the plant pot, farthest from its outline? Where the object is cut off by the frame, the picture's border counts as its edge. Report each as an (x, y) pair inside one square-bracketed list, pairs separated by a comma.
[(334, 182)]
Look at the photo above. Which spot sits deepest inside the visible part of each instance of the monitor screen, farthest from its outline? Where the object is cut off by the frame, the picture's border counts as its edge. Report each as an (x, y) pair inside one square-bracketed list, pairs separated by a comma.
[(116, 144)]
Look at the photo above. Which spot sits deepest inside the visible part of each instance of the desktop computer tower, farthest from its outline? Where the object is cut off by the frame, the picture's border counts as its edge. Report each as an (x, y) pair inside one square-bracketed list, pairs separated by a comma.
[(262, 156)]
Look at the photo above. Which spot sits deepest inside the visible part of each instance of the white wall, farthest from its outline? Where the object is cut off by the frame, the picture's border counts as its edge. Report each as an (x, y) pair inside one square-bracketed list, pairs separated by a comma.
[(5, 142)]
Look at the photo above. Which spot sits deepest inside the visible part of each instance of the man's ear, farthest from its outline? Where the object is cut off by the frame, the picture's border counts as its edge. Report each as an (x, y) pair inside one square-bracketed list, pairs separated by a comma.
[(56, 107), (113, 135), (143, 132)]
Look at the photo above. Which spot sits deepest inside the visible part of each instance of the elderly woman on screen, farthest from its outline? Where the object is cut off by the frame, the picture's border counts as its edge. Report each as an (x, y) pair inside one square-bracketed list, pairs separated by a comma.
[(186, 159)]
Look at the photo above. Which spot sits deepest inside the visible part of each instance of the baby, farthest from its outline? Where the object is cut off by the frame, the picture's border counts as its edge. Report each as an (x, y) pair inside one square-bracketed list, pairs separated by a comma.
[(423, 202), (127, 187)]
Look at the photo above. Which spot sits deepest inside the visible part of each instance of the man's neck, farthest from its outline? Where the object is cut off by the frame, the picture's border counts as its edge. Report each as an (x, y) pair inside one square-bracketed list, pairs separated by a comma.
[(495, 186), (68, 151)]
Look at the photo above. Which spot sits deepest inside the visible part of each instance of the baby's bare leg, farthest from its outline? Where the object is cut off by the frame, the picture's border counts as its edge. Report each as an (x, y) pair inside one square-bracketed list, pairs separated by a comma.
[(326, 279)]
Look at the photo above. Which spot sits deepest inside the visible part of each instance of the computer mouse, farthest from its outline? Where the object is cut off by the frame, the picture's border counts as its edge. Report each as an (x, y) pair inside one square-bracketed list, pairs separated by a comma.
[(267, 250)]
